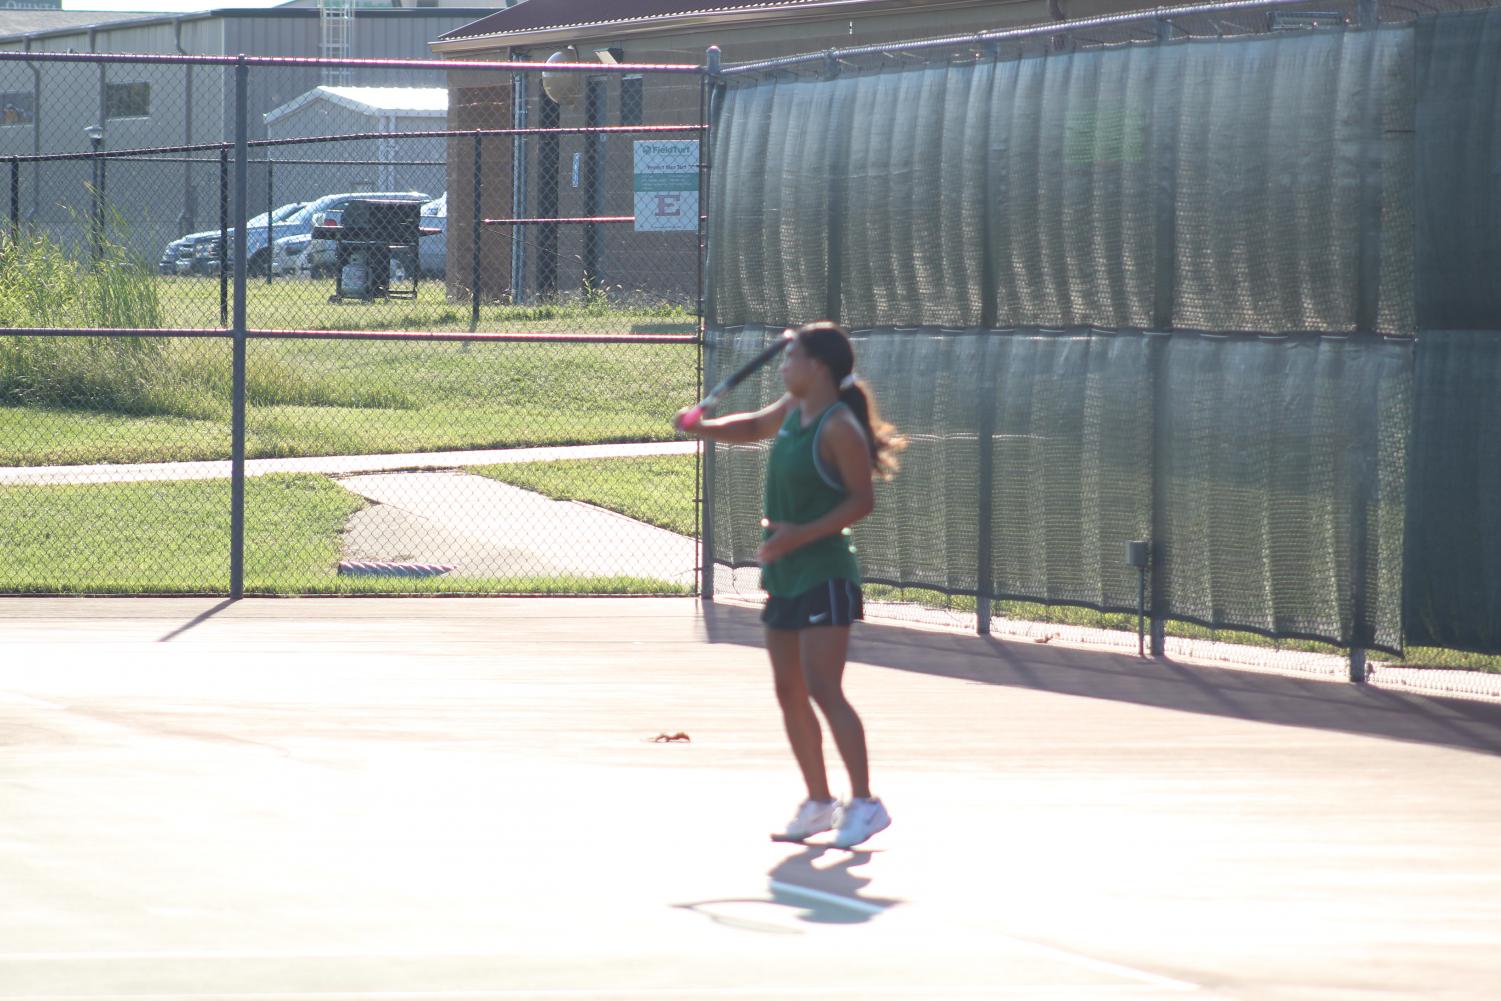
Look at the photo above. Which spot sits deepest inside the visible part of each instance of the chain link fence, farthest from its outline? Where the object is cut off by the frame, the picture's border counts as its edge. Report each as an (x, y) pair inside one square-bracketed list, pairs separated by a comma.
[(1143, 278), (420, 333), (423, 331)]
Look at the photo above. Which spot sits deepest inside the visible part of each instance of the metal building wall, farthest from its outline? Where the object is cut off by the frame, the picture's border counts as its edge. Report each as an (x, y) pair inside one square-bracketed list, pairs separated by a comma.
[(67, 97), (385, 164)]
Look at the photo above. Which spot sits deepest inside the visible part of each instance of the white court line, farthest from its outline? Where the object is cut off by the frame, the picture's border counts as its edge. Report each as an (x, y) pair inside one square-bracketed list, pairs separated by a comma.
[(823, 896)]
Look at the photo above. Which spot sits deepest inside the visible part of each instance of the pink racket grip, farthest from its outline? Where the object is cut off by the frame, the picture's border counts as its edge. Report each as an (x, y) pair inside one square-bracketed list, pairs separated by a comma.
[(692, 417)]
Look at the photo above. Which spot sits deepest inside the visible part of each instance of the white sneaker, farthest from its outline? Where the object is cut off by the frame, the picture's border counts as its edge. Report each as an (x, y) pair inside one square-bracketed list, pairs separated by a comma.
[(813, 817), (863, 818)]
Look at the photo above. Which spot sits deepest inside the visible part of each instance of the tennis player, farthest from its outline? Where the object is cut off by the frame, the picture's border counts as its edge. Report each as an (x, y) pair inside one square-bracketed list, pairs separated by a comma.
[(829, 442)]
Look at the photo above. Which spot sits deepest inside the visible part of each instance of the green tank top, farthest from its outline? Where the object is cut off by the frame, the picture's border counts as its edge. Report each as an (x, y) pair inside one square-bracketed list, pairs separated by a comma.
[(801, 488)]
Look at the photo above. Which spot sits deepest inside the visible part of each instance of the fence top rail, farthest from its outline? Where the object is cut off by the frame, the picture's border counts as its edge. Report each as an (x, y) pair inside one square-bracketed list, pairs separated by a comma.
[(115, 332), (154, 157), (443, 65), (574, 130), (254, 333), (149, 151), (988, 38), (513, 337)]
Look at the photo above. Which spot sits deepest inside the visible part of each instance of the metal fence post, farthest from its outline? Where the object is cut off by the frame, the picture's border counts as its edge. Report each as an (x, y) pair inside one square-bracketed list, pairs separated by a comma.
[(705, 487), (15, 199), (985, 417), (1157, 361), (1160, 339), (237, 411), (1361, 633), (270, 232), (548, 178), (593, 189), (96, 212), (706, 512), (474, 234), (518, 187), (190, 198), (838, 172), (985, 547), (223, 237), (1363, 480), (100, 209)]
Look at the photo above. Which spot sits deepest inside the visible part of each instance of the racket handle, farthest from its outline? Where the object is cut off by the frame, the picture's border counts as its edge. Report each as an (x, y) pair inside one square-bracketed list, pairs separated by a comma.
[(692, 417)]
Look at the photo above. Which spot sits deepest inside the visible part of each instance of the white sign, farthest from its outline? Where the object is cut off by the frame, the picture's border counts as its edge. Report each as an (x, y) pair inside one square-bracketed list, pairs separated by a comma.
[(666, 185)]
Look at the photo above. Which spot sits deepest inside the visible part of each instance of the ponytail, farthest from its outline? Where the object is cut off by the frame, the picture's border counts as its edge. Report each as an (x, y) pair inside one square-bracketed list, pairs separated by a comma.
[(830, 344), (882, 437)]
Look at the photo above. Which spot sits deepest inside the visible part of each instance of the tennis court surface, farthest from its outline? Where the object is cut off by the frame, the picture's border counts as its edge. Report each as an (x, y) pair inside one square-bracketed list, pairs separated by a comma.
[(463, 799)]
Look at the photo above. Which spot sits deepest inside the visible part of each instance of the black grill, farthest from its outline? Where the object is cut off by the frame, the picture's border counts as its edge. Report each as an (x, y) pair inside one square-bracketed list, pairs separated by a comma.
[(371, 233)]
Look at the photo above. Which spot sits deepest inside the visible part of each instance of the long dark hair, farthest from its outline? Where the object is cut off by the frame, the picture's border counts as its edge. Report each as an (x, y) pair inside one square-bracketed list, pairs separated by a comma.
[(829, 343)]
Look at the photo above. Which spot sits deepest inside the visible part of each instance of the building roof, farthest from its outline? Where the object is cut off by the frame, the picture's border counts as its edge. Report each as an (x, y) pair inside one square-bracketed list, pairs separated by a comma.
[(18, 25), (412, 102), (543, 15), (21, 22)]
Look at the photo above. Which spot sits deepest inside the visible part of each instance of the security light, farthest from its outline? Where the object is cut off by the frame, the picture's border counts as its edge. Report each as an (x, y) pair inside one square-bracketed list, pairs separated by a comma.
[(563, 88)]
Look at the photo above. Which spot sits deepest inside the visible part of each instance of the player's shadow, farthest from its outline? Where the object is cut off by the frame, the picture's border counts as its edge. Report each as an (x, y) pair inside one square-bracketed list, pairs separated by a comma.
[(1104, 674), (830, 895)]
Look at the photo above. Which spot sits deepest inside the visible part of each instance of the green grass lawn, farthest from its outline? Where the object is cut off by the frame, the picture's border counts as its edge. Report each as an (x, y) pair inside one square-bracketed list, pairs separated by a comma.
[(302, 303), (173, 538), (342, 398), (86, 400), (658, 489)]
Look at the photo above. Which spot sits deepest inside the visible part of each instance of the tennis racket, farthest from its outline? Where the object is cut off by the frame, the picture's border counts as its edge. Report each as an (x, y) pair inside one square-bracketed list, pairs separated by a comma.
[(735, 378)]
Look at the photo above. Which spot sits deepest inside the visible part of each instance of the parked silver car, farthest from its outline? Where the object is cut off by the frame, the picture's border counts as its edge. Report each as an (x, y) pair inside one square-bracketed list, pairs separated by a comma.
[(198, 253), (320, 257), (287, 254), (432, 249)]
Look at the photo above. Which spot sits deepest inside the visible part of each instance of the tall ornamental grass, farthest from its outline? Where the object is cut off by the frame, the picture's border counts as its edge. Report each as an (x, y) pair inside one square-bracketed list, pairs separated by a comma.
[(45, 284)]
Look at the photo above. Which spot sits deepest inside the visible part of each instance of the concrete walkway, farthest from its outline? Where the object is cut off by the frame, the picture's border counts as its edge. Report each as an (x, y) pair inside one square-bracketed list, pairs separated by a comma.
[(420, 800), (426, 510), (488, 529), (333, 465)]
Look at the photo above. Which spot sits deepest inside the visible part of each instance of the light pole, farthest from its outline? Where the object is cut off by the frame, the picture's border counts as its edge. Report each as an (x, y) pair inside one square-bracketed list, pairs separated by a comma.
[(96, 141)]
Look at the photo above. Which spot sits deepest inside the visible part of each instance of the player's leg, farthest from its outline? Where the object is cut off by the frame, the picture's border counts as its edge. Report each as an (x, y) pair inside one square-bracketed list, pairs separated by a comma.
[(801, 722), (820, 811), (823, 651)]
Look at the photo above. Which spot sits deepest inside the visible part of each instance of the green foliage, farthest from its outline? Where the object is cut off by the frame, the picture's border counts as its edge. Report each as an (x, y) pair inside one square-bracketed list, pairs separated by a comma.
[(301, 303), (657, 489), (43, 284), (46, 284)]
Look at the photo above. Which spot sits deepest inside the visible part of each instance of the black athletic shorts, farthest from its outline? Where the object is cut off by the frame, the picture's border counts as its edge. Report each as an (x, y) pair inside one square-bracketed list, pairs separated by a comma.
[(832, 603)]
